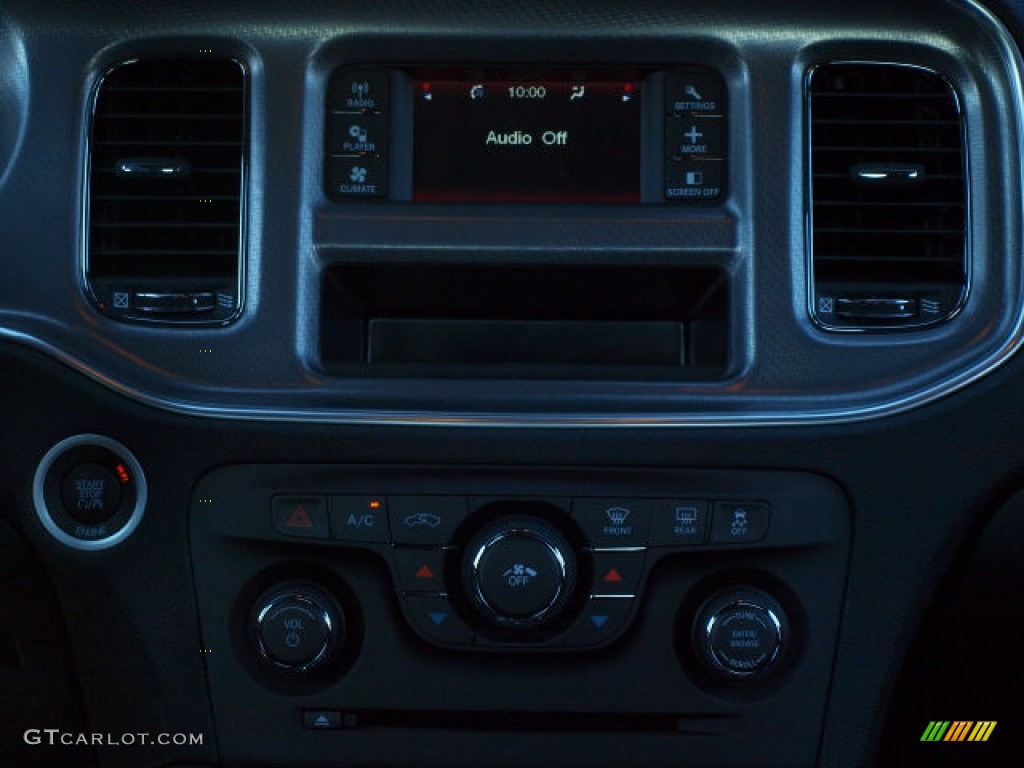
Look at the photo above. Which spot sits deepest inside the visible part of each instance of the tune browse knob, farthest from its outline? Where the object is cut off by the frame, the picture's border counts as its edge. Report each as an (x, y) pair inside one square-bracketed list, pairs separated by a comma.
[(740, 632)]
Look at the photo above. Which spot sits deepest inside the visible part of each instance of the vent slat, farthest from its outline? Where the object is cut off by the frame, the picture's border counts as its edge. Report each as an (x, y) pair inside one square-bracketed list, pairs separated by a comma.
[(171, 143), (166, 233), (885, 122), (162, 225), (893, 149), (158, 198), (886, 235)]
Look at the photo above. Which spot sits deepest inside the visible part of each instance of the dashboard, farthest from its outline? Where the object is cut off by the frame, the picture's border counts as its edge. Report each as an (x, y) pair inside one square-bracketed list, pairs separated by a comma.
[(538, 384)]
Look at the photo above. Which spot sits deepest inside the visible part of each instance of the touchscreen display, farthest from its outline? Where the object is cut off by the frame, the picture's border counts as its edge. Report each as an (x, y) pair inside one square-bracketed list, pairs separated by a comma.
[(534, 141)]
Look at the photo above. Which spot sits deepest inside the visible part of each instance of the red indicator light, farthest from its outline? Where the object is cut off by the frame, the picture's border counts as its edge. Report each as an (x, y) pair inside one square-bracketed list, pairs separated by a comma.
[(122, 474)]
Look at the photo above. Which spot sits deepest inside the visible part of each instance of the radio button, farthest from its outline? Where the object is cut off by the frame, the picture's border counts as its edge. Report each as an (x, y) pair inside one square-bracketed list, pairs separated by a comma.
[(359, 91), (357, 176)]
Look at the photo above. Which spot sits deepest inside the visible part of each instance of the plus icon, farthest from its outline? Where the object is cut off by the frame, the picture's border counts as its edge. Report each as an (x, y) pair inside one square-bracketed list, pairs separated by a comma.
[(693, 134)]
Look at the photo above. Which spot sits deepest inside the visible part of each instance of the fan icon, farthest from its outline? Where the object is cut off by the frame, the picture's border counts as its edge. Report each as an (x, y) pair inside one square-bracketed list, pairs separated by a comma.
[(357, 174)]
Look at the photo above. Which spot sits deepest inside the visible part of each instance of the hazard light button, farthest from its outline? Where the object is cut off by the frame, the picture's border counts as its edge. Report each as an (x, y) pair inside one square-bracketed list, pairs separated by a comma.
[(300, 516)]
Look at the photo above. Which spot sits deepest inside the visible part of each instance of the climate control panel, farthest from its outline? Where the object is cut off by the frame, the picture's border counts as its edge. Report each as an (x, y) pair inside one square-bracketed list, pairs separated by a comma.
[(544, 573), (696, 606)]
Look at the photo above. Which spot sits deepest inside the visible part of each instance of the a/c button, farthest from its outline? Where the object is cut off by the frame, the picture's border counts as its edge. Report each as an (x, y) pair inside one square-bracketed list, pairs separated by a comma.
[(360, 518)]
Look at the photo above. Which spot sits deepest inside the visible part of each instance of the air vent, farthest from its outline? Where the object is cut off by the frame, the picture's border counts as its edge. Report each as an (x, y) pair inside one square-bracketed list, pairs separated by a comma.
[(888, 199), (167, 154)]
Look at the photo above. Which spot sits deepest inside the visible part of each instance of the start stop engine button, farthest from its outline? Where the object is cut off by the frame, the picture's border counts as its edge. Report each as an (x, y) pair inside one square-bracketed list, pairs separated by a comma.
[(90, 493)]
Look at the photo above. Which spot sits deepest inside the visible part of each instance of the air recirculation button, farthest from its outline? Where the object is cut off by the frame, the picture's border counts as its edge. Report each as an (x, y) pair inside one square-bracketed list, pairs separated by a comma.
[(519, 572)]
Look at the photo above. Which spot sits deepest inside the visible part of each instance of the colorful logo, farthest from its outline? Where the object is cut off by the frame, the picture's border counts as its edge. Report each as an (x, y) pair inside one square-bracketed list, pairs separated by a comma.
[(958, 730)]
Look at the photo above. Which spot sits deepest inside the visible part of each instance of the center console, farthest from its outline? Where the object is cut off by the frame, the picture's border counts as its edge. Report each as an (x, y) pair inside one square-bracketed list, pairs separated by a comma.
[(649, 613)]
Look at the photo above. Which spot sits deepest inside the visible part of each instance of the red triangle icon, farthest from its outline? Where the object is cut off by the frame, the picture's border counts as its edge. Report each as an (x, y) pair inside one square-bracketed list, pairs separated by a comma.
[(612, 576), (299, 518), (425, 573)]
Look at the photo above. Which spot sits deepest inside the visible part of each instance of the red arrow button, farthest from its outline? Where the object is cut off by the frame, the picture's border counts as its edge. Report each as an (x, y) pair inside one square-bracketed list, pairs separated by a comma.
[(425, 573), (612, 577)]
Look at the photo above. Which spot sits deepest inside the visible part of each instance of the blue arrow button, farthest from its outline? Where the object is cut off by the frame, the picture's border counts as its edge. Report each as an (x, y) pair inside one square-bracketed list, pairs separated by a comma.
[(599, 621), (438, 618)]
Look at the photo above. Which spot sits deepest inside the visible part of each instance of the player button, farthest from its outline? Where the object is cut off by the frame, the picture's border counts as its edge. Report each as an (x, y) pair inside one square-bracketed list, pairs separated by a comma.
[(357, 134), (300, 516)]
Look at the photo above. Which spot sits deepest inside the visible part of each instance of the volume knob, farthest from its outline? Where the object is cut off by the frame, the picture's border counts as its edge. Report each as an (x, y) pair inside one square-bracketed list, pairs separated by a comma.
[(297, 626)]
